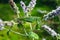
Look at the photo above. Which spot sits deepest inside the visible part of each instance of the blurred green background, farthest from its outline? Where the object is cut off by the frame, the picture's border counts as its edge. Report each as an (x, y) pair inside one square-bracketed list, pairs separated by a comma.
[(6, 13)]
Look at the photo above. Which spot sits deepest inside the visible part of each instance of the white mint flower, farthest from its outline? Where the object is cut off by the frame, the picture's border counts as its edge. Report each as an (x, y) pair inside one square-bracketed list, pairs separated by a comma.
[(52, 14), (9, 23), (28, 8), (1, 25), (49, 30), (32, 4), (25, 9), (14, 6), (23, 5)]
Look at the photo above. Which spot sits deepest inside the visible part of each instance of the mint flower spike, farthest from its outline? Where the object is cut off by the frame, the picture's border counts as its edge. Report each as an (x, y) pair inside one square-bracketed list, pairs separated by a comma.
[(10, 23), (1, 24), (52, 14), (32, 4), (14, 7), (23, 5), (28, 8), (49, 30), (25, 9)]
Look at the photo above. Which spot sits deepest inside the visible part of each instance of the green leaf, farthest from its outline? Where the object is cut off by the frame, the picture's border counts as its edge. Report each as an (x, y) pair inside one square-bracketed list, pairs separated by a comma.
[(8, 33), (30, 19), (58, 36), (33, 35)]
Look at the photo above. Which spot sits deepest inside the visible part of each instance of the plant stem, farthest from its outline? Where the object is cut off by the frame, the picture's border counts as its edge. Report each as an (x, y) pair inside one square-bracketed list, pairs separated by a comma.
[(30, 26), (18, 15), (25, 31), (16, 32)]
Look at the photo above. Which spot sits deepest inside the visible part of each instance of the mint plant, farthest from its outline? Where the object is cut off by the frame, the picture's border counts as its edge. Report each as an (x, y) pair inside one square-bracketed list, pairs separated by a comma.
[(27, 19)]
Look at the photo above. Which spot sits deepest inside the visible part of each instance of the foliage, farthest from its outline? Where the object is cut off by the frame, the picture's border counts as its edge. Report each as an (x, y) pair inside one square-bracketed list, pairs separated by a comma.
[(31, 27)]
